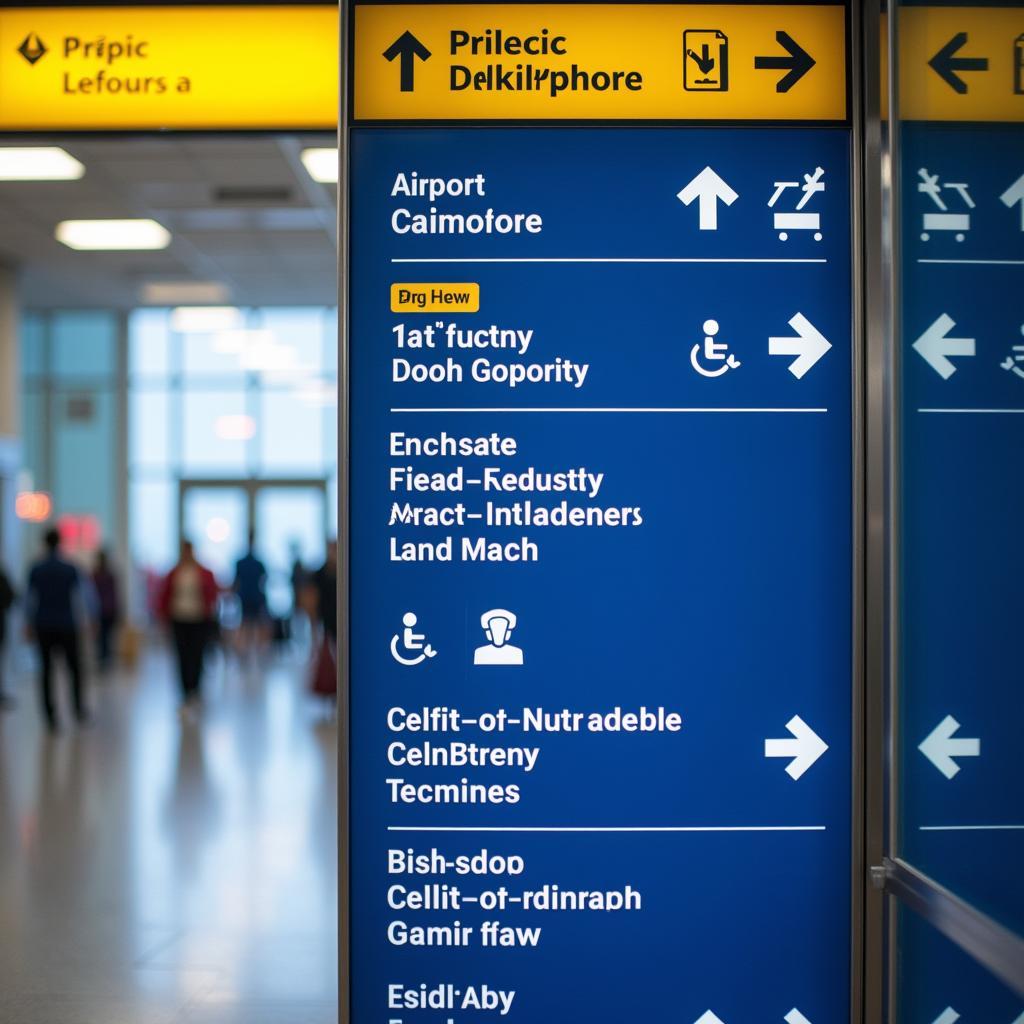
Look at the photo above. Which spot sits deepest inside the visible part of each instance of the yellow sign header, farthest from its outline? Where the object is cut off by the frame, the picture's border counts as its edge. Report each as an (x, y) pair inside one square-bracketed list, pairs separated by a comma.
[(961, 64), (599, 61), (97, 68)]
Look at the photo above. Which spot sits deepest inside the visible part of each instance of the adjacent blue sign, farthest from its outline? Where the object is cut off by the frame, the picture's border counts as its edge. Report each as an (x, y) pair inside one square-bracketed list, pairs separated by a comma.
[(962, 503), (601, 618)]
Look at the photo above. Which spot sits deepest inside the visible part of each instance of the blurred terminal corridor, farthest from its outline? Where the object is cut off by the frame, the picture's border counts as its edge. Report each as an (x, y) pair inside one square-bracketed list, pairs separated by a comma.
[(161, 870)]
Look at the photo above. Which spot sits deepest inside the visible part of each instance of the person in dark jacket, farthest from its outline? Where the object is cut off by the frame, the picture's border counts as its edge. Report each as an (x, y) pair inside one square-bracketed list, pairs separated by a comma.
[(108, 607), (7, 599), (52, 604)]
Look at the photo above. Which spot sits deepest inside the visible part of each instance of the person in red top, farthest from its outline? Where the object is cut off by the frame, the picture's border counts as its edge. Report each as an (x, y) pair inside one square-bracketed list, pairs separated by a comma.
[(188, 602)]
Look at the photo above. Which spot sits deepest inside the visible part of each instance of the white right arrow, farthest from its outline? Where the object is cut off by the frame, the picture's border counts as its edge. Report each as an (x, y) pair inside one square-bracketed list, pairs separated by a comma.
[(1015, 194), (940, 748), (708, 187), (795, 1017), (808, 346), (805, 748), (935, 348), (948, 1016), (709, 1018)]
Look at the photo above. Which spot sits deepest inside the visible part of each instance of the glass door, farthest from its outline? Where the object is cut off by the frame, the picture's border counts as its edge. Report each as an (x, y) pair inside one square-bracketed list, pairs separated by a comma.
[(216, 518), (291, 525)]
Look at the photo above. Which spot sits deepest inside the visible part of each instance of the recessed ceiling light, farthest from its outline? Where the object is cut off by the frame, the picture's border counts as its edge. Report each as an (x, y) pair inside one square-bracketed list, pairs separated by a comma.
[(322, 165), (184, 293), (205, 319), (39, 163), (113, 235)]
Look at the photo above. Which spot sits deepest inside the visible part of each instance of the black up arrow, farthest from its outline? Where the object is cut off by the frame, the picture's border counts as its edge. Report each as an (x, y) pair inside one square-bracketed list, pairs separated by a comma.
[(798, 63), (946, 65), (408, 47)]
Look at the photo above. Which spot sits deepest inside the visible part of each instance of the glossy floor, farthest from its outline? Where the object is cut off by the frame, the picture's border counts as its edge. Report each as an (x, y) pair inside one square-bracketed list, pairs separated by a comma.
[(159, 872)]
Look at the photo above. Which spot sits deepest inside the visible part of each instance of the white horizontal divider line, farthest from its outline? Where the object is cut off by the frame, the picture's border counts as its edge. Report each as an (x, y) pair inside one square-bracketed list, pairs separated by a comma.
[(609, 409), (976, 412), (984, 263), (607, 259), (606, 828), (971, 828)]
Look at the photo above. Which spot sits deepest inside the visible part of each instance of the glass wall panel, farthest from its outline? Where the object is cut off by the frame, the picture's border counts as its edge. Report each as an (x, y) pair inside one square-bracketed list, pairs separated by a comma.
[(33, 345), (301, 333), (83, 425), (153, 514), (149, 346), (217, 428), (292, 435), (84, 344), (940, 984), (960, 174), (150, 439)]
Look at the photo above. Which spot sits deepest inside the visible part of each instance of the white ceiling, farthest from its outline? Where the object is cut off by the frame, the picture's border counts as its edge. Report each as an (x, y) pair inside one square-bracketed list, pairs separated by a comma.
[(266, 251)]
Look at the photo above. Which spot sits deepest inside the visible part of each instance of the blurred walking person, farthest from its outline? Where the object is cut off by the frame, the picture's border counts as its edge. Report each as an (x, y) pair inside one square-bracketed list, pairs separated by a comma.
[(188, 603), (108, 607), (53, 612), (323, 592), (251, 587), (7, 599)]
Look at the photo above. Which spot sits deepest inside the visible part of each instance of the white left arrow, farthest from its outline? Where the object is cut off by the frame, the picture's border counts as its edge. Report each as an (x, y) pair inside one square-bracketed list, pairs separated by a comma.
[(795, 1017), (948, 1016), (709, 188), (804, 748), (809, 345), (1015, 194), (940, 747), (935, 346)]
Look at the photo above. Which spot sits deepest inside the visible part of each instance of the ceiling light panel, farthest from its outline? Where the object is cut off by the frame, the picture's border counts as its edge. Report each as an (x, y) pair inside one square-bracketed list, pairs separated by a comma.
[(113, 235), (321, 165), (39, 163)]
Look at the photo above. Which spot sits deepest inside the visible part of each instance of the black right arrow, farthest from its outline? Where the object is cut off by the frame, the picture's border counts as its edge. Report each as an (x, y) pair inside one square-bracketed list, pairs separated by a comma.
[(946, 65), (798, 63), (408, 47)]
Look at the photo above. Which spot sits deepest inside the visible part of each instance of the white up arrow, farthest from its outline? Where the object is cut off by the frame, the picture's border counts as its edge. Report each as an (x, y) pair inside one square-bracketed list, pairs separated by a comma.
[(935, 348), (795, 1017), (805, 748), (708, 187), (809, 345), (1015, 194), (940, 748), (948, 1016), (709, 1018)]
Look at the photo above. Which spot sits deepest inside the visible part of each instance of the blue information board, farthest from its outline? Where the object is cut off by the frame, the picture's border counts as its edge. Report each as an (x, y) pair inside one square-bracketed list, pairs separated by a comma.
[(962, 499), (600, 763)]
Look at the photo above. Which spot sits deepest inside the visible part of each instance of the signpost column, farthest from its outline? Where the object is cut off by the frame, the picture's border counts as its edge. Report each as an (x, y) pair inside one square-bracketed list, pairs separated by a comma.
[(598, 327)]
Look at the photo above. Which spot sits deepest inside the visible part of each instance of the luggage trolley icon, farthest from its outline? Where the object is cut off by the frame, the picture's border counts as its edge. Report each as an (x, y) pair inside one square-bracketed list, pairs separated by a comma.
[(797, 220), (960, 223)]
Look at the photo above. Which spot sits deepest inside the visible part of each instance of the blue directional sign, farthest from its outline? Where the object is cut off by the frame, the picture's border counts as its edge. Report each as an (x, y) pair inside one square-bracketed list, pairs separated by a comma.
[(962, 496), (600, 574)]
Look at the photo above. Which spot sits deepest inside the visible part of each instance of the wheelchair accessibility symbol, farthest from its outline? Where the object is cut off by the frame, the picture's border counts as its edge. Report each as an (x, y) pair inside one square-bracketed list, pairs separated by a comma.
[(407, 647), (714, 352)]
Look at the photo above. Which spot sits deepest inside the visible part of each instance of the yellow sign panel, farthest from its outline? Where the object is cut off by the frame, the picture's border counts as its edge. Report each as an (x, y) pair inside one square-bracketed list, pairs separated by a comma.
[(600, 61), (435, 298), (961, 64), (95, 68)]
